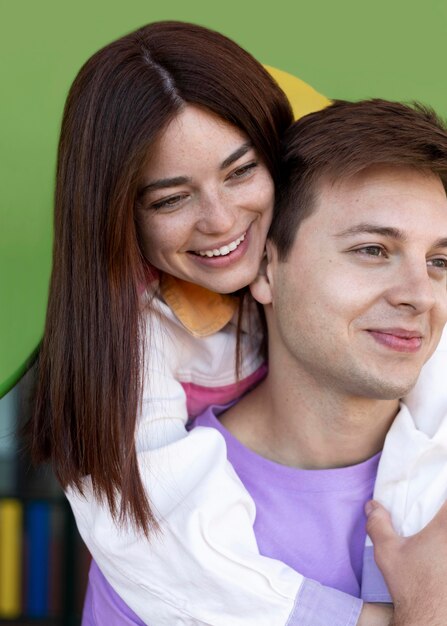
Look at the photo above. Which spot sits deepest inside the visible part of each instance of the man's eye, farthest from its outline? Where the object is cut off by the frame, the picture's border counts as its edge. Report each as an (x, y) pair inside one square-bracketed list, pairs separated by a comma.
[(244, 170), (371, 251), (438, 263)]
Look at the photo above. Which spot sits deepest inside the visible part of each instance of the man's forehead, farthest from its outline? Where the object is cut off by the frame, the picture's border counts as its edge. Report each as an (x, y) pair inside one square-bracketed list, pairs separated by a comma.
[(379, 190), (392, 202), (371, 179)]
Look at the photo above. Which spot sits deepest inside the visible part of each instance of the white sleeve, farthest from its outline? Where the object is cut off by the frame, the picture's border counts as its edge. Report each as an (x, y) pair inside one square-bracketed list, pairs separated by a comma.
[(412, 477)]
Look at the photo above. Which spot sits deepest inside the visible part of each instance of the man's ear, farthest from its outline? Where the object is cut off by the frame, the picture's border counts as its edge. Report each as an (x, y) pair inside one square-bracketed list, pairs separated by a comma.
[(262, 286)]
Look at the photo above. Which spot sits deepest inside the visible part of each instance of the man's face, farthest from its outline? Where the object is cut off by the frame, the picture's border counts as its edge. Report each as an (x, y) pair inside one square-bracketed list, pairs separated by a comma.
[(361, 301)]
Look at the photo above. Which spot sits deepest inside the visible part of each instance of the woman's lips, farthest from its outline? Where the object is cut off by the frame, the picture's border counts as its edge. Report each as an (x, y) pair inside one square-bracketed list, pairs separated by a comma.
[(224, 249), (224, 260)]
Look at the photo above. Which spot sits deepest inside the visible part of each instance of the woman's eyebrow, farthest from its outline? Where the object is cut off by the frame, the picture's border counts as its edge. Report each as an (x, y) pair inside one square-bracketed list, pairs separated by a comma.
[(237, 154), (163, 183)]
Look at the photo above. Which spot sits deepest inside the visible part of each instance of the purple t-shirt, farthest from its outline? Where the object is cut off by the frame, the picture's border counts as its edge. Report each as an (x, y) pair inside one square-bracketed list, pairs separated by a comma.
[(312, 520)]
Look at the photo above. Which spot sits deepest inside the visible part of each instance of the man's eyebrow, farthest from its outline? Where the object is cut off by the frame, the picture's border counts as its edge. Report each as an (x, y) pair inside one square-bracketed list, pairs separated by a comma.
[(440, 243), (237, 154), (373, 229), (385, 231)]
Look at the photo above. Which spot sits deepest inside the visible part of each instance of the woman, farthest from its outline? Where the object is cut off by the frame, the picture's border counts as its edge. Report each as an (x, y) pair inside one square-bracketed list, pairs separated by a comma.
[(168, 157)]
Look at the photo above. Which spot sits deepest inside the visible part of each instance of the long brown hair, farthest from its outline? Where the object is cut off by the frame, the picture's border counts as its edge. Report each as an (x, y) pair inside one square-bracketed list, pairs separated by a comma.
[(89, 380)]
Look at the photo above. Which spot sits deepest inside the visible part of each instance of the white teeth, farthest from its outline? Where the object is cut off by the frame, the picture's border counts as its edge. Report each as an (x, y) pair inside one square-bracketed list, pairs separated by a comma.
[(224, 250)]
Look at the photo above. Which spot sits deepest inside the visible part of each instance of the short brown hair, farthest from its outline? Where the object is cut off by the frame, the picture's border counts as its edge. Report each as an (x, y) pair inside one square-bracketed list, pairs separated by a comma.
[(344, 139)]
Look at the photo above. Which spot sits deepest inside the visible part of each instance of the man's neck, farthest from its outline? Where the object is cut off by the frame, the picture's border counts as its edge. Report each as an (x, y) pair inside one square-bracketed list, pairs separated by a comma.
[(305, 425)]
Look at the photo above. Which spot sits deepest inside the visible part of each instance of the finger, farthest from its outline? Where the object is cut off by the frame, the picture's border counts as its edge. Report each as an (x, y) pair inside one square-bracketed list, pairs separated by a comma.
[(378, 525)]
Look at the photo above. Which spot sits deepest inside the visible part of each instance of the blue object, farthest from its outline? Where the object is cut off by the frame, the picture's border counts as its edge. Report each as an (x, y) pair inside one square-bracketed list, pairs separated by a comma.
[(38, 559)]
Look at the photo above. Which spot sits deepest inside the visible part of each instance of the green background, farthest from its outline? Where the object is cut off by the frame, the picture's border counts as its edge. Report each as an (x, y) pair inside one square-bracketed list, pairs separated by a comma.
[(348, 49)]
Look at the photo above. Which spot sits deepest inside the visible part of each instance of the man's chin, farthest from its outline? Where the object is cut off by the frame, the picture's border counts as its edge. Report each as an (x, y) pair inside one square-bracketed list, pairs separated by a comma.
[(386, 389), (398, 390)]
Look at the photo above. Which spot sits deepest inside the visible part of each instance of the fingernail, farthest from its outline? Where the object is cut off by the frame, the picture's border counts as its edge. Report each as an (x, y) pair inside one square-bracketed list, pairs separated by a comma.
[(370, 506)]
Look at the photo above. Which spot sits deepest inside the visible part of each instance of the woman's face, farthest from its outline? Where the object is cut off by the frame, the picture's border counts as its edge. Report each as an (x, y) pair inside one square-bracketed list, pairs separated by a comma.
[(206, 204)]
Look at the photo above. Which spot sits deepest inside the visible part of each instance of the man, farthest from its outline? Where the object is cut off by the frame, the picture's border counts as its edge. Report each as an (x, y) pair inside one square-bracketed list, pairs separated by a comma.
[(354, 292)]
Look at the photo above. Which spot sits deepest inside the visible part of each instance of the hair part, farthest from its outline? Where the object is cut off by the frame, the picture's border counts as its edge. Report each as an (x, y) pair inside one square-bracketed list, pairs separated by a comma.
[(91, 359), (345, 139)]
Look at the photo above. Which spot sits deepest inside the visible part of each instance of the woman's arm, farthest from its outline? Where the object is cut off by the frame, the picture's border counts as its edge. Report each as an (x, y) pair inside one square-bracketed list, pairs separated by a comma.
[(103, 605), (415, 569)]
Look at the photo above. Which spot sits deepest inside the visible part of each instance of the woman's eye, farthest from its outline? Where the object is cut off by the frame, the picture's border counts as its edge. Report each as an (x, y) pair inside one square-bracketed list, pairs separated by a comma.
[(371, 251), (167, 203), (244, 170)]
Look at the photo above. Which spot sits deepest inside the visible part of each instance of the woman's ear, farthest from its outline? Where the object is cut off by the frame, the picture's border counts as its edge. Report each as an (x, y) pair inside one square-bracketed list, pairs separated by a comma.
[(262, 286)]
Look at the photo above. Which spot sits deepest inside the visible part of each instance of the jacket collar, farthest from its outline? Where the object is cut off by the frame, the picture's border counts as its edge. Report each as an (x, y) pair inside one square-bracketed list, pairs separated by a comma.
[(201, 311)]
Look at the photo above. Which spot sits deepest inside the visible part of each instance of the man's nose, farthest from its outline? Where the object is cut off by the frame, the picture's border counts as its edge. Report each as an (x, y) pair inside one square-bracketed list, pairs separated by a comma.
[(413, 287)]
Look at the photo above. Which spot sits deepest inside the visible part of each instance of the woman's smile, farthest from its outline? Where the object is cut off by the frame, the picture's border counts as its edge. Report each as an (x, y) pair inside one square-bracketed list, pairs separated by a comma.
[(206, 202), (226, 248)]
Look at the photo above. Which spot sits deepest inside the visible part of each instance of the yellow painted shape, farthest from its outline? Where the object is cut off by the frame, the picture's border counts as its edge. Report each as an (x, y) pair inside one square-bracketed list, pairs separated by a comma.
[(303, 98)]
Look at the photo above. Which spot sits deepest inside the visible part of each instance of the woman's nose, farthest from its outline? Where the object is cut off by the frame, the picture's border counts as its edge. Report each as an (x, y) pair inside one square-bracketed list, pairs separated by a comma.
[(217, 214)]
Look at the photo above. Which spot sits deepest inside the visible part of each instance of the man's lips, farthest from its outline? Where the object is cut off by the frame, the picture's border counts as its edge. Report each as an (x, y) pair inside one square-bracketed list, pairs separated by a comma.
[(398, 332), (399, 339)]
